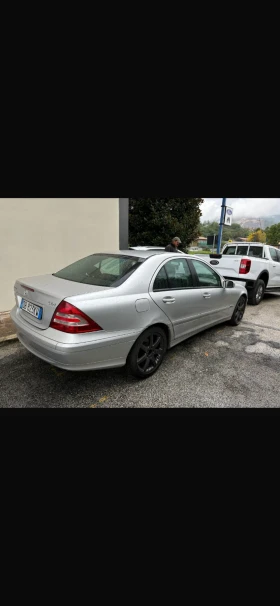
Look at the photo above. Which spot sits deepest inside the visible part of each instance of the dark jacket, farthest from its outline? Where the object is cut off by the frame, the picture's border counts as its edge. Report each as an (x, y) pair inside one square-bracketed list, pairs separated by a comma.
[(171, 248)]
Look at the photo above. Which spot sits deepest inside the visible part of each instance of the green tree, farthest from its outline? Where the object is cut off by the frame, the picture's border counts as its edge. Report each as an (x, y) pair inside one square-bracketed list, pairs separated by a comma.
[(155, 221), (236, 231), (209, 228), (273, 234), (257, 236)]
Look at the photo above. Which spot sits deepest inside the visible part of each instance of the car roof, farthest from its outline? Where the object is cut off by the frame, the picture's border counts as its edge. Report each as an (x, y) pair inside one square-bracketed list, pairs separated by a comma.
[(152, 248), (145, 254), (147, 248), (141, 252), (244, 243)]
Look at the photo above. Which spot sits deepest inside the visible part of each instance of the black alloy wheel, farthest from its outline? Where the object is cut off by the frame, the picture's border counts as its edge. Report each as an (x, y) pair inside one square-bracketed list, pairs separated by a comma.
[(239, 311), (148, 352)]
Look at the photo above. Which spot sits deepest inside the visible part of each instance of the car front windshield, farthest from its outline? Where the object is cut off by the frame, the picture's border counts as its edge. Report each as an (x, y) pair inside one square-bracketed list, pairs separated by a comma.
[(101, 270)]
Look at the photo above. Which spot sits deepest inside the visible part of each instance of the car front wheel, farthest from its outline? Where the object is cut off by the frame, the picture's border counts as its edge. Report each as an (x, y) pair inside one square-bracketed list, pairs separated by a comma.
[(147, 353)]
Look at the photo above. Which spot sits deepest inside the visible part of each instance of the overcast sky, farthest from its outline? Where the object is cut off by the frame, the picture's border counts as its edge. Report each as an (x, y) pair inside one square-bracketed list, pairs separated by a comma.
[(243, 207)]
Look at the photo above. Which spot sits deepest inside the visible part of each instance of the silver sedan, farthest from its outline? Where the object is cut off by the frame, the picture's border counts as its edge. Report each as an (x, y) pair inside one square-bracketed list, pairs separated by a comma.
[(128, 307)]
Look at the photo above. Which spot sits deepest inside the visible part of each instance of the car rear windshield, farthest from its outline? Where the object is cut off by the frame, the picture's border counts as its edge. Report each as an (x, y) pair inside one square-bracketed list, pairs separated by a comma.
[(101, 270), (246, 250), (242, 249)]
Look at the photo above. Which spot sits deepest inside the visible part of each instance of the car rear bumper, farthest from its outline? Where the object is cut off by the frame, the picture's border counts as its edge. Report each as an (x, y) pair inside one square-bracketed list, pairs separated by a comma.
[(102, 353)]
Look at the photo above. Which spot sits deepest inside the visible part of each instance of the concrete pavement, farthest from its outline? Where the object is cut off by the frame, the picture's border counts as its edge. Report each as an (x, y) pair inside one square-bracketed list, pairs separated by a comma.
[(7, 329), (223, 367)]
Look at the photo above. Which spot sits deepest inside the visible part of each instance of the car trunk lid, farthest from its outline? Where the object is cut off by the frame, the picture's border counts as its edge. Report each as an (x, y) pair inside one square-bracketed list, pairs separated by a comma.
[(45, 293)]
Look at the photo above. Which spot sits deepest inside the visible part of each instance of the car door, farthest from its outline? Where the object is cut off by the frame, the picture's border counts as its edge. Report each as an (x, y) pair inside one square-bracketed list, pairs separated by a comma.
[(215, 303), (274, 272), (174, 290)]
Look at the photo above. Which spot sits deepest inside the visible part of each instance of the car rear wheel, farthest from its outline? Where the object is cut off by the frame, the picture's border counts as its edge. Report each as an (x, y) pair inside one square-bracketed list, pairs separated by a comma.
[(147, 353), (257, 295), (239, 311)]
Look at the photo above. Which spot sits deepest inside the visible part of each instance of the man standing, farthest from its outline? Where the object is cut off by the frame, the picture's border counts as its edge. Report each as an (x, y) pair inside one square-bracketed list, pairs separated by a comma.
[(173, 247)]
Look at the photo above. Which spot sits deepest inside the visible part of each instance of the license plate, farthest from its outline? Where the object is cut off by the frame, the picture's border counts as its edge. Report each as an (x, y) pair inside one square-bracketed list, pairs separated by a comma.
[(31, 309)]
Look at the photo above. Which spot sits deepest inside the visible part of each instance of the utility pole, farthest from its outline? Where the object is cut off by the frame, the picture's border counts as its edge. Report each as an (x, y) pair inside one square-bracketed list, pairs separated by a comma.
[(222, 219), (214, 243)]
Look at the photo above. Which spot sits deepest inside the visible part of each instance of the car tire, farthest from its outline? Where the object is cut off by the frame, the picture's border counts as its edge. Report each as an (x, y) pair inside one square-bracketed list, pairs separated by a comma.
[(147, 353), (239, 311), (257, 294)]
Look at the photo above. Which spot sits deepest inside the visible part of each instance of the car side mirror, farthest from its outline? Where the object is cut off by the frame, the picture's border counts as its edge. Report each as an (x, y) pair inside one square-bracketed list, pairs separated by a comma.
[(229, 284)]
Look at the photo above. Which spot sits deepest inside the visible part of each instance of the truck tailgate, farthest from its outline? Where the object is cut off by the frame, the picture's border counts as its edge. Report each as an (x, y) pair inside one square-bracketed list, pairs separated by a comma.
[(228, 266)]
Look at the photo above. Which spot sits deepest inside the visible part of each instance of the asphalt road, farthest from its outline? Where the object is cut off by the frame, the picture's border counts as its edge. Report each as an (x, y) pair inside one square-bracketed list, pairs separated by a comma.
[(222, 367)]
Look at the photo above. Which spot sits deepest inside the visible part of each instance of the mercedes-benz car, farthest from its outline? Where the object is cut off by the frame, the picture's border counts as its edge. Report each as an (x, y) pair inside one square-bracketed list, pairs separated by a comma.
[(128, 307)]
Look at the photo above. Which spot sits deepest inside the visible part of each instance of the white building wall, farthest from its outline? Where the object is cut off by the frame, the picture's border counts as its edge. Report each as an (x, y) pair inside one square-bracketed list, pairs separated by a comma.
[(42, 235)]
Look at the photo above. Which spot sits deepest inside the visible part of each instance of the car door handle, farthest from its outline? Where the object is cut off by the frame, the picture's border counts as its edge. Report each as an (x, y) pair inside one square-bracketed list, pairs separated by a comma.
[(274, 265), (168, 300), (207, 295)]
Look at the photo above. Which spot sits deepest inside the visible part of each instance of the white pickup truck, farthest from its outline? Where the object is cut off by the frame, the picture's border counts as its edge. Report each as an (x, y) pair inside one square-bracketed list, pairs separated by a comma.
[(256, 264)]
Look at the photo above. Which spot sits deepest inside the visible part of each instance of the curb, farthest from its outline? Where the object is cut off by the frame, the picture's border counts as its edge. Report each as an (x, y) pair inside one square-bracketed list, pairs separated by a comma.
[(9, 338)]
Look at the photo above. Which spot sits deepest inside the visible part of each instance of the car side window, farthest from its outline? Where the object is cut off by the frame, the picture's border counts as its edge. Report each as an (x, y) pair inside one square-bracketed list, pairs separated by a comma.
[(242, 250), (174, 274), (273, 254), (256, 251), (207, 278), (161, 281), (230, 250), (278, 255)]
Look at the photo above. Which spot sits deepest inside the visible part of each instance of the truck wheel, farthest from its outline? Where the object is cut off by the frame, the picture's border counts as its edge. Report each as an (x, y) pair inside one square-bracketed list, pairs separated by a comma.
[(257, 294)]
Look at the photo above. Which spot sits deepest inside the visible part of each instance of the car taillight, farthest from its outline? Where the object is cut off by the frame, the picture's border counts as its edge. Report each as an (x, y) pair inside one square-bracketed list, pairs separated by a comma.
[(69, 318), (245, 266)]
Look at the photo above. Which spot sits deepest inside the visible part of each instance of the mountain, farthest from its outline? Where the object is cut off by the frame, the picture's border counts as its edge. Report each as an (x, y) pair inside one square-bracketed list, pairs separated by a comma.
[(261, 222), (271, 220), (250, 223)]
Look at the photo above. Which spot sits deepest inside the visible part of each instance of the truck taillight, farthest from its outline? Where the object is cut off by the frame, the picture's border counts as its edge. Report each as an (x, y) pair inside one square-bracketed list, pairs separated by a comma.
[(69, 318), (245, 266)]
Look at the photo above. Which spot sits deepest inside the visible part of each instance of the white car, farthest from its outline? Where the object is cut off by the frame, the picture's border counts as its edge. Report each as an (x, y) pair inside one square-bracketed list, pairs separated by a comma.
[(256, 264)]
